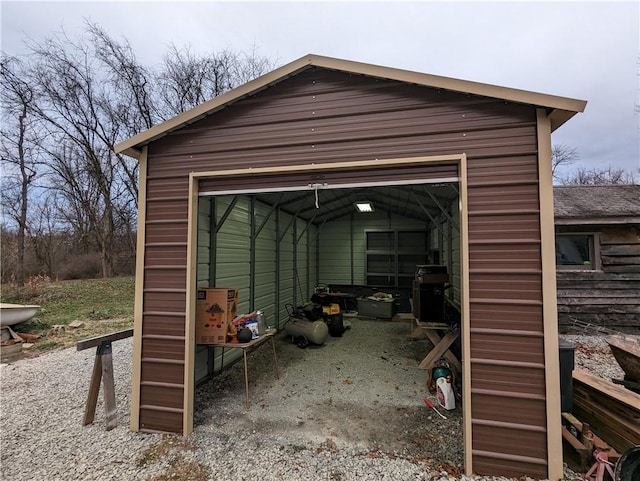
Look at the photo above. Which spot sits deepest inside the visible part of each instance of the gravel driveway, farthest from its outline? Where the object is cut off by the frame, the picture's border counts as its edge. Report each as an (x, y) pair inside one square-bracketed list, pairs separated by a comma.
[(351, 409)]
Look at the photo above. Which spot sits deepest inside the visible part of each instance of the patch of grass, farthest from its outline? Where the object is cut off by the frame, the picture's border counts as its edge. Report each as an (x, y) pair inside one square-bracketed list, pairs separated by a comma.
[(103, 305), (48, 345)]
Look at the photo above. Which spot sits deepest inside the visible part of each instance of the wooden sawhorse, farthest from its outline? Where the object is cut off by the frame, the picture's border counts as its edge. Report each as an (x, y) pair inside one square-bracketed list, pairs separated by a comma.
[(441, 344), (102, 371)]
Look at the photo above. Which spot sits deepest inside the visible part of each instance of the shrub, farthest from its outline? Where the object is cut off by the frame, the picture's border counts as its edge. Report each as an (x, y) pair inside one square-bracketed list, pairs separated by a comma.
[(86, 266)]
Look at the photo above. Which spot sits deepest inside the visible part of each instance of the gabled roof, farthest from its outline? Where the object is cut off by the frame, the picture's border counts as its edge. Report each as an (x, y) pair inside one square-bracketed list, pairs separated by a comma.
[(560, 109), (596, 204)]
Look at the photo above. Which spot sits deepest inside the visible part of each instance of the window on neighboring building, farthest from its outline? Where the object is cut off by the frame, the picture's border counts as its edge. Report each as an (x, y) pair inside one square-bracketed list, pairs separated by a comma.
[(576, 251)]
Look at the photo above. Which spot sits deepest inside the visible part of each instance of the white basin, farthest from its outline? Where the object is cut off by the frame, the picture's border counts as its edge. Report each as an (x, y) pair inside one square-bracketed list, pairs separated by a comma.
[(11, 314)]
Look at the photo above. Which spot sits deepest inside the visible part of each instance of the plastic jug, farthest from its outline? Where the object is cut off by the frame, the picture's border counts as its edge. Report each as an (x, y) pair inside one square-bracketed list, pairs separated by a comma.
[(445, 395)]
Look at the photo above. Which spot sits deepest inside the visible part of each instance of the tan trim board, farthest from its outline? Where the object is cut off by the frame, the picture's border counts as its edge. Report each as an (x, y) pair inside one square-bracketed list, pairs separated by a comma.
[(564, 108), (134, 418), (356, 164), (439, 180), (447, 83), (190, 325), (461, 159), (550, 309), (467, 418)]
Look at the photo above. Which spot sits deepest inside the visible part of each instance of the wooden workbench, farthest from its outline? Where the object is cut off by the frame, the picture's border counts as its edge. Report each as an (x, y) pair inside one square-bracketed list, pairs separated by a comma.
[(248, 347)]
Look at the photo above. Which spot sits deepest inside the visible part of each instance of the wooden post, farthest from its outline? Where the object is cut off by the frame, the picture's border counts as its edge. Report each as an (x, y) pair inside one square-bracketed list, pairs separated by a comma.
[(94, 390)]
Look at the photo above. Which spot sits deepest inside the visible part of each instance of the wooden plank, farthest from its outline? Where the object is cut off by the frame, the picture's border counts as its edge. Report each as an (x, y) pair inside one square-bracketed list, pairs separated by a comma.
[(108, 389), (621, 261), (597, 284), (592, 439), (583, 452), (576, 301), (588, 275), (594, 416), (435, 339), (603, 319), (29, 336), (432, 325), (96, 341), (614, 406), (601, 294), (620, 250), (619, 235), (94, 390), (611, 410), (437, 352), (622, 269), (617, 429), (573, 441), (601, 308), (608, 388)]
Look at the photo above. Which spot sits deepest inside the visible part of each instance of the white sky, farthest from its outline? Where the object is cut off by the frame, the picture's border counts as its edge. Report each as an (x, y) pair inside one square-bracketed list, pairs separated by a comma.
[(583, 50)]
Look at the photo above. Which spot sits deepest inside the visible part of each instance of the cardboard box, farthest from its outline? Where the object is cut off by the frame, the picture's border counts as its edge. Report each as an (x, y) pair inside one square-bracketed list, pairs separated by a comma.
[(215, 309)]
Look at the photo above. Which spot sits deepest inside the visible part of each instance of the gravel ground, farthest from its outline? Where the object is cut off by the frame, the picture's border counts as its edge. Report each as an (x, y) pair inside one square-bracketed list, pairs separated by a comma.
[(351, 409)]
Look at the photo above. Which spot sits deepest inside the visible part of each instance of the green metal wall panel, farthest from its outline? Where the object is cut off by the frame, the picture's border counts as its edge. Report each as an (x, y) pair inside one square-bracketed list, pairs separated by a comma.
[(343, 244)]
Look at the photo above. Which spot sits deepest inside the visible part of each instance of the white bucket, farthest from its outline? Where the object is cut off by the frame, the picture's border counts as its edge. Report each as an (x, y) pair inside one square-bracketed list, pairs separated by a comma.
[(445, 395)]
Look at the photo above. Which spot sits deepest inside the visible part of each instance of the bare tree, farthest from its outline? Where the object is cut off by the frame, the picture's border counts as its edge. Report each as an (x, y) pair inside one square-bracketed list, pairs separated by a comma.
[(72, 101), (86, 95), (599, 176), (187, 80), (46, 234), (130, 105), (18, 148), (562, 156)]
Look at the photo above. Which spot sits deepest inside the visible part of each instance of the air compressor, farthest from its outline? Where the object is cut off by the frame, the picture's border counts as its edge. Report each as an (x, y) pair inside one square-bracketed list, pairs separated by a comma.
[(306, 324)]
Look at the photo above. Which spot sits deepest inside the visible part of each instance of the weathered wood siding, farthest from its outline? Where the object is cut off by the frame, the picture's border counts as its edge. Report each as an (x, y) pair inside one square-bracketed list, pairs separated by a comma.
[(610, 297)]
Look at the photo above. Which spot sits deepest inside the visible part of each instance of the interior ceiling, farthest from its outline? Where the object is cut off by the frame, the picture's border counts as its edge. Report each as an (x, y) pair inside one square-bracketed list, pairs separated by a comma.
[(424, 202)]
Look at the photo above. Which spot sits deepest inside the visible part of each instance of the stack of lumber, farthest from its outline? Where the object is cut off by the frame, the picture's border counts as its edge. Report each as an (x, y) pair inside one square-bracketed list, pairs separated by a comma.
[(611, 410), (583, 441)]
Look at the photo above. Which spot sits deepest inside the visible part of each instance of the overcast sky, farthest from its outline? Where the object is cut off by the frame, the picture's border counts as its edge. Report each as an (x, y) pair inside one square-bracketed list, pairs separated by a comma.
[(582, 50)]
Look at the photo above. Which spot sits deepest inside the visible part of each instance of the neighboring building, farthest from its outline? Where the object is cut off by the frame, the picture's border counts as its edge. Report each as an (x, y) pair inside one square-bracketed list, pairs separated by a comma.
[(598, 256)]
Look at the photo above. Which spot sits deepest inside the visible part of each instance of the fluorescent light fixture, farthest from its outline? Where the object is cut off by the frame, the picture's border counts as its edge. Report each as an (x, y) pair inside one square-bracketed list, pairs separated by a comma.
[(364, 206)]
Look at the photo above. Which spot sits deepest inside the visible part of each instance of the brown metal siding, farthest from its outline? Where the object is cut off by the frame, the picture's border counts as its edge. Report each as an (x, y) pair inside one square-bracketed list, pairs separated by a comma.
[(507, 342), (164, 305), (324, 116), (321, 116)]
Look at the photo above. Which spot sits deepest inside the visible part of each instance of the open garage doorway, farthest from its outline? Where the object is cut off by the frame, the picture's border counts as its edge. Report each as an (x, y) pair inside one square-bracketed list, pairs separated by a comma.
[(365, 388)]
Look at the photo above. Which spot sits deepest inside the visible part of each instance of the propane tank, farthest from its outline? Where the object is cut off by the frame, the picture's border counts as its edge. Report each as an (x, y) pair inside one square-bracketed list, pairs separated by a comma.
[(315, 332)]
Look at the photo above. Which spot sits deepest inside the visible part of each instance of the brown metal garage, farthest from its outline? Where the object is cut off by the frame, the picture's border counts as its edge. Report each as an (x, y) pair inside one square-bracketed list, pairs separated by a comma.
[(327, 121)]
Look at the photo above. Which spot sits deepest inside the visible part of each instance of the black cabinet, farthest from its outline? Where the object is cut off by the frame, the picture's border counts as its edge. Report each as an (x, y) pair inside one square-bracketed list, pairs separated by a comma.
[(428, 295)]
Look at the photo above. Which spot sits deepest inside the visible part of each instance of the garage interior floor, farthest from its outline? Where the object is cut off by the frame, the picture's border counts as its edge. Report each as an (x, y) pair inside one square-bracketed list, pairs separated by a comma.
[(362, 391)]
